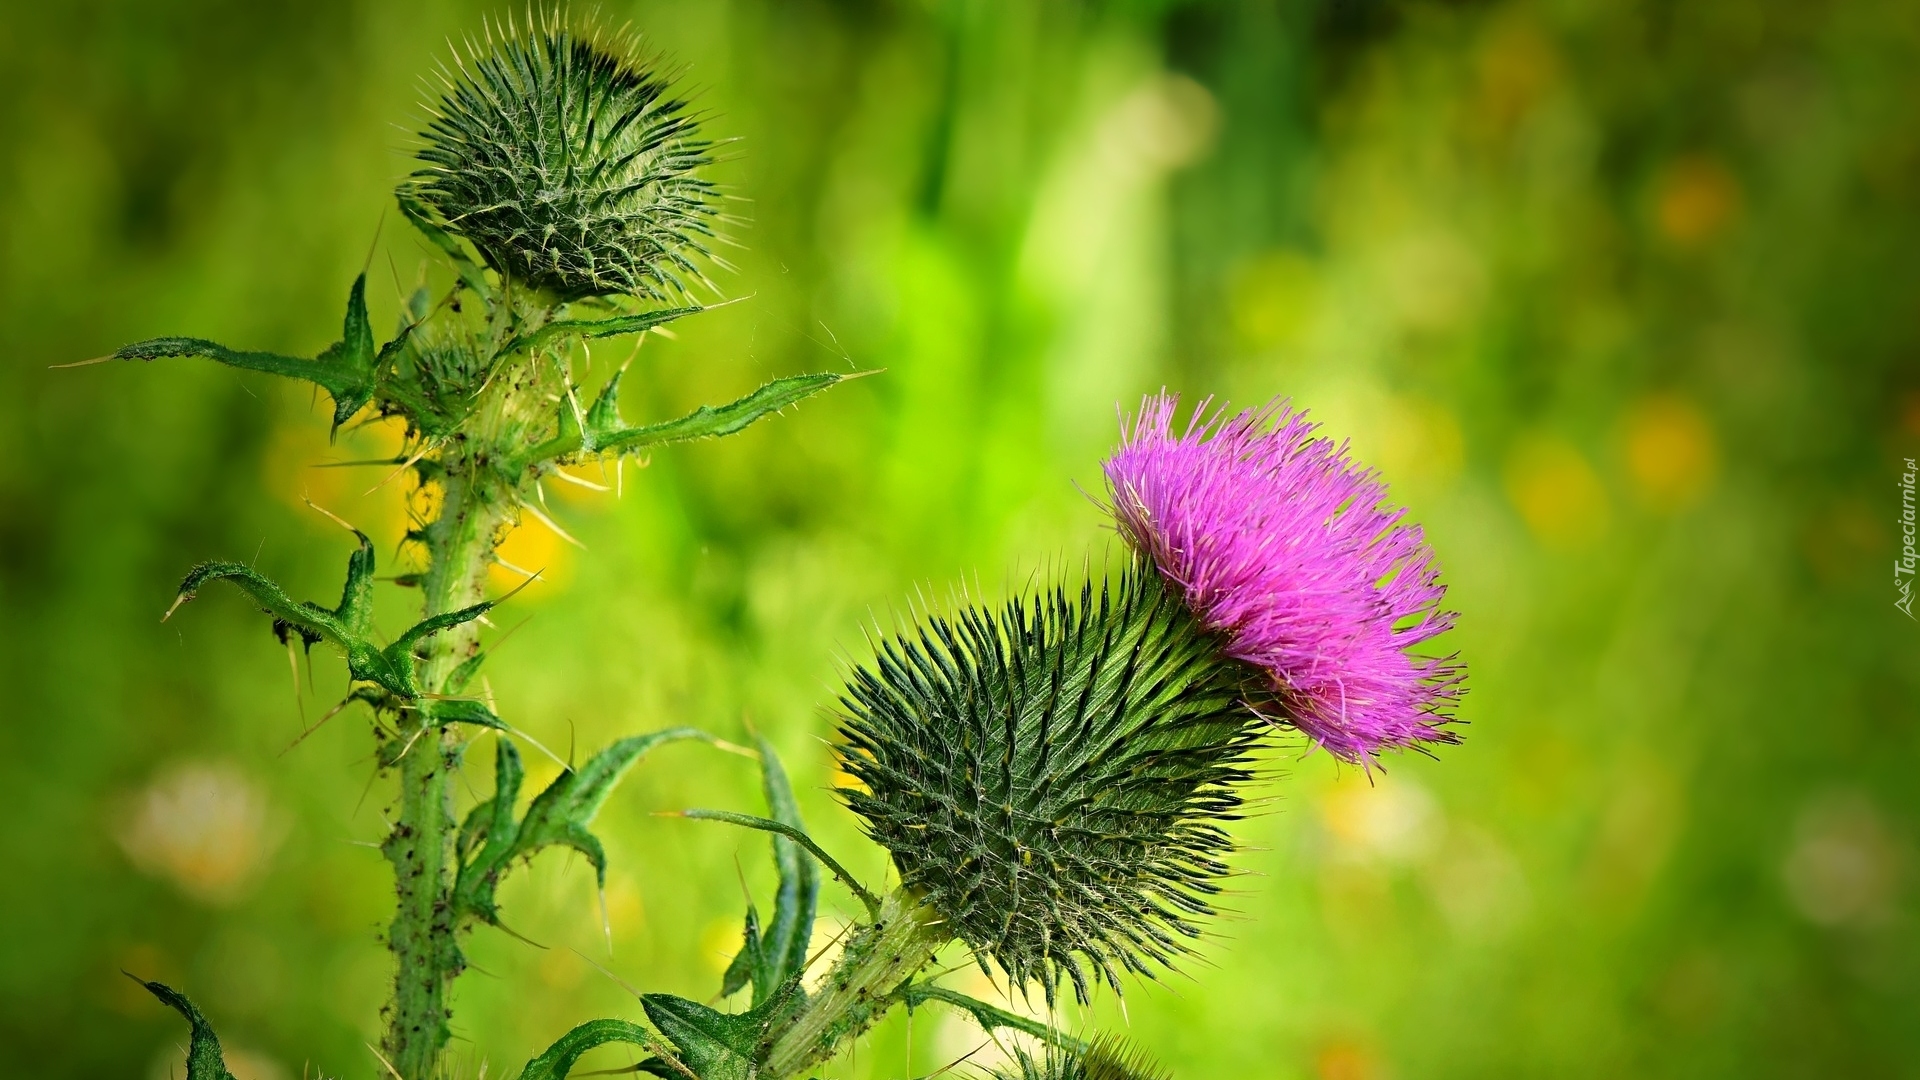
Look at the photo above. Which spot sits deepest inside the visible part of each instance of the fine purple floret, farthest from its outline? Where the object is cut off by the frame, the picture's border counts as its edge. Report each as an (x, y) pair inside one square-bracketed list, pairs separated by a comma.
[(1286, 547)]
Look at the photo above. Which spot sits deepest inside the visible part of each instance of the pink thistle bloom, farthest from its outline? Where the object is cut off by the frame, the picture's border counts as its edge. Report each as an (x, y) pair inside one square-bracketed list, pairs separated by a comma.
[(1286, 547)]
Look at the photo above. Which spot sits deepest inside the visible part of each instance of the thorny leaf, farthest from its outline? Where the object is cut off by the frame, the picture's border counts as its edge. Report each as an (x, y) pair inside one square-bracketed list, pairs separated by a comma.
[(349, 626), (750, 963), (799, 836), (769, 960), (558, 815), (600, 430), (204, 1060), (987, 1016), (616, 326), (715, 1045), (559, 1058), (345, 371)]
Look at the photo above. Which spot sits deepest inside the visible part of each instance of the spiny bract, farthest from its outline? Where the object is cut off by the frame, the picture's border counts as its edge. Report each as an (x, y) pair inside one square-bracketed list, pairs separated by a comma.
[(1051, 777), (569, 167), (1106, 1059)]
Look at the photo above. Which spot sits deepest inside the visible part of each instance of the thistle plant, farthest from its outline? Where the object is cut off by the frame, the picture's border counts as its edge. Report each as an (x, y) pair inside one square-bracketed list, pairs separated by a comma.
[(1054, 776)]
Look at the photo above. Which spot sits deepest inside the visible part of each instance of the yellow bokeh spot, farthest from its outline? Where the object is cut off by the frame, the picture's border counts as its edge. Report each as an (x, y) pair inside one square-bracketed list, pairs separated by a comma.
[(625, 910), (296, 469), (1670, 450), (561, 969), (536, 549), (1346, 1059), (1392, 820), (1273, 299), (1421, 442), (1695, 201), (1434, 279), (1516, 67), (719, 943), (1557, 493)]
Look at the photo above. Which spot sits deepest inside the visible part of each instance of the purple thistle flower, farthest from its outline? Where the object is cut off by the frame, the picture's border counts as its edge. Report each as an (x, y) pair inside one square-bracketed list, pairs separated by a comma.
[(1283, 544)]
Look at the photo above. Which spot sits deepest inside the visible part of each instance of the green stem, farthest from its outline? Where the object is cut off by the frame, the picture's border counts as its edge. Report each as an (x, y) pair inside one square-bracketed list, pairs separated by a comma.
[(901, 940), (422, 937)]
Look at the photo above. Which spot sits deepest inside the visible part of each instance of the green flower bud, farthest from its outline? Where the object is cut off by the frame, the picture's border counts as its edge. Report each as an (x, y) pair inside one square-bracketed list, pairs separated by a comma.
[(569, 167), (1051, 778)]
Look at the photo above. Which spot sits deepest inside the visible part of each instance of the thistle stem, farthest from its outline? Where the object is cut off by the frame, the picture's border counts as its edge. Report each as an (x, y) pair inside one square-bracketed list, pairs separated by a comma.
[(878, 959), (420, 846)]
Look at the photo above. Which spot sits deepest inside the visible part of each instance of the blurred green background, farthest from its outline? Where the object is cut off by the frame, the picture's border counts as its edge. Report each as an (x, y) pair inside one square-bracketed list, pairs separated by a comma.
[(1624, 299)]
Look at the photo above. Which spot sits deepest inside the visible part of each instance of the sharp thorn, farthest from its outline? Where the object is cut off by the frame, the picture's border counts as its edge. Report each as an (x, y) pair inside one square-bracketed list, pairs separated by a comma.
[(330, 515)]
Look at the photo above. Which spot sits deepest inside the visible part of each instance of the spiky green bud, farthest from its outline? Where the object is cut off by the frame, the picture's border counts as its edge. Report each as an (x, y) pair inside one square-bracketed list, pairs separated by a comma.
[(1052, 777), (569, 166)]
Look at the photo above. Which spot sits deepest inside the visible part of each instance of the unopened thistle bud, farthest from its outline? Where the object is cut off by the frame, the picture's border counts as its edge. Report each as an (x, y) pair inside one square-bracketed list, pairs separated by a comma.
[(569, 166), (1052, 778)]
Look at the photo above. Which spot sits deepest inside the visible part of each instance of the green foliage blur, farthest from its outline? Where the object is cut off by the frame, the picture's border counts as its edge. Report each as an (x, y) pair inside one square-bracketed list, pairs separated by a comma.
[(1621, 298)]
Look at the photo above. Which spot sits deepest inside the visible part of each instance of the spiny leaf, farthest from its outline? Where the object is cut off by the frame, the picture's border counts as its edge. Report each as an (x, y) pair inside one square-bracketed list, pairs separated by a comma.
[(462, 711), (799, 893), (988, 1016), (204, 1060), (492, 821), (459, 677), (604, 432), (715, 1045), (749, 964), (798, 835), (349, 626), (558, 815), (598, 328), (559, 1059), (1106, 1058), (770, 960), (345, 371)]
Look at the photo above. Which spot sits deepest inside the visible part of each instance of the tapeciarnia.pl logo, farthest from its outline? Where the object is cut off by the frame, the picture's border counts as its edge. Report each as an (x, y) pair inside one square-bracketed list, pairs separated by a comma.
[(1904, 565)]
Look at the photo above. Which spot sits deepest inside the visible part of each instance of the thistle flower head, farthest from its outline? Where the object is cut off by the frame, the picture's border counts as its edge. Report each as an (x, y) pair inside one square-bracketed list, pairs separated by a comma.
[(568, 165), (1286, 548), (1051, 777)]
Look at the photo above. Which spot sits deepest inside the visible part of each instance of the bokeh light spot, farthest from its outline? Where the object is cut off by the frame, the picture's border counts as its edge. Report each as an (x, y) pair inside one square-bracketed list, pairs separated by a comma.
[(1671, 452), (204, 826), (1347, 1059), (1558, 494), (536, 549), (1274, 299), (1696, 200), (1843, 864), (1392, 820), (1420, 442)]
